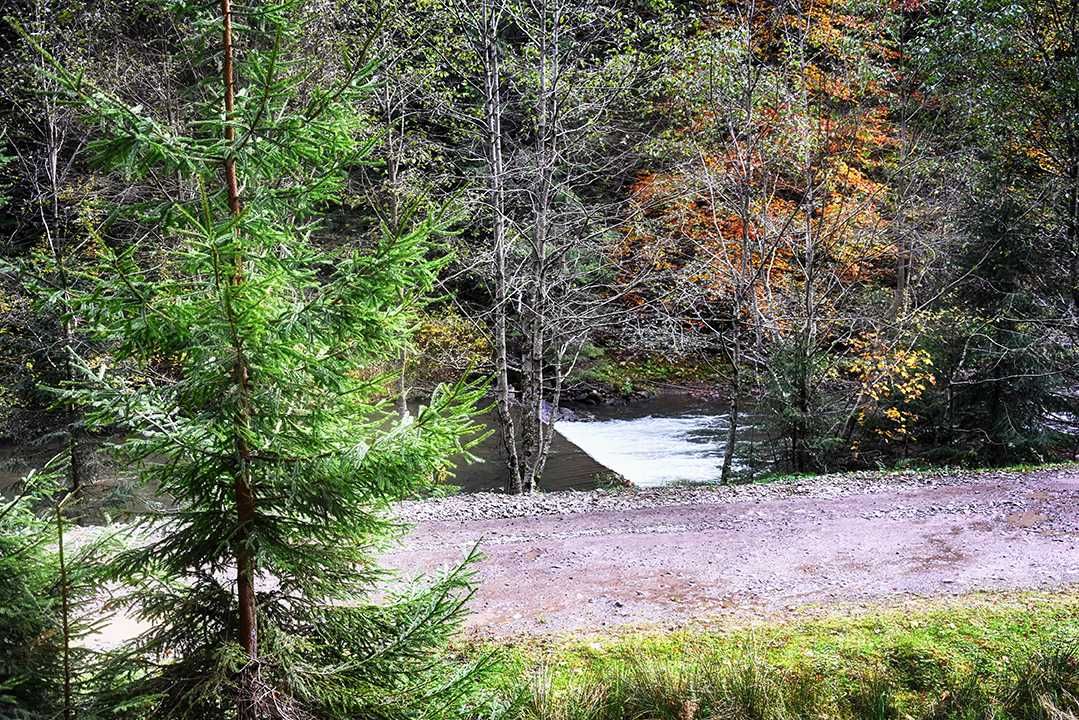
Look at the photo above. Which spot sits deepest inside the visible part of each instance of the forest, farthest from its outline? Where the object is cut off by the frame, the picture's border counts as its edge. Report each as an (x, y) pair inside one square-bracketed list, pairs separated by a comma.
[(277, 273)]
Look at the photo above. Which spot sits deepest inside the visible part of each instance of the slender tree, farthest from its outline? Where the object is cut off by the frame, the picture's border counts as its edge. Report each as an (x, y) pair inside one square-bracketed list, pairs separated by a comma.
[(737, 175), (241, 340), (48, 611)]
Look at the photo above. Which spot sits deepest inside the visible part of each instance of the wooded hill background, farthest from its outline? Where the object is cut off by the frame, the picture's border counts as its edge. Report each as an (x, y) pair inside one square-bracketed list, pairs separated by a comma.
[(861, 216)]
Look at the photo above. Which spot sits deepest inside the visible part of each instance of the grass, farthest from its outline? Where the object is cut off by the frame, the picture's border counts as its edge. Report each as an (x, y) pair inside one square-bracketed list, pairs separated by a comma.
[(1014, 657)]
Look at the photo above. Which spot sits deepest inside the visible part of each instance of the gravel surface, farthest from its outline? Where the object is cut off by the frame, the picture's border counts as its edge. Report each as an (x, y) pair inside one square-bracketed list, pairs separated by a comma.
[(584, 561)]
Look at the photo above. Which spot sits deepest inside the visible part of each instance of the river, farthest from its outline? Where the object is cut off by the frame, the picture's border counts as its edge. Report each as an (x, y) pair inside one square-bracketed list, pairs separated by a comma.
[(655, 442)]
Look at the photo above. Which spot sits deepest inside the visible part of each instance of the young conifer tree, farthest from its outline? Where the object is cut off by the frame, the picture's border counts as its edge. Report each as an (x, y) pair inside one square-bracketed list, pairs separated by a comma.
[(243, 341), (47, 585)]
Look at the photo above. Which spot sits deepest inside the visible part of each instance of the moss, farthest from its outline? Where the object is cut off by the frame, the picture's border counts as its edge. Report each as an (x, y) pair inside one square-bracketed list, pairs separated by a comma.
[(628, 374)]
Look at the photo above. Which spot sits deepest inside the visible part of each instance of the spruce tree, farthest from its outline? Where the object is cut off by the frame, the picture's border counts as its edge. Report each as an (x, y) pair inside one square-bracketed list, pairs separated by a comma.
[(49, 588), (244, 354), (30, 617)]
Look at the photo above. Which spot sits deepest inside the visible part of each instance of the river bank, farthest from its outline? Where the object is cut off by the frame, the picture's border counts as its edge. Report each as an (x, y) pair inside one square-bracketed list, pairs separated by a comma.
[(621, 497)]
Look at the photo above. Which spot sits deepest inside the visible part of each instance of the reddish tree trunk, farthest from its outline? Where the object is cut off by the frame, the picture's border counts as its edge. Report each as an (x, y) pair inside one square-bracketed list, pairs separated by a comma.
[(244, 492)]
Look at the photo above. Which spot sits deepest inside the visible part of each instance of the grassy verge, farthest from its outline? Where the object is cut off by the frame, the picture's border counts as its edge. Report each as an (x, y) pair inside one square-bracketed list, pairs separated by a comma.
[(1016, 657)]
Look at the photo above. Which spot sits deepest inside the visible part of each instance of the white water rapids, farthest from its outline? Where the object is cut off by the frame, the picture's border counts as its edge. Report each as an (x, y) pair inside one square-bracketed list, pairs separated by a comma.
[(654, 451)]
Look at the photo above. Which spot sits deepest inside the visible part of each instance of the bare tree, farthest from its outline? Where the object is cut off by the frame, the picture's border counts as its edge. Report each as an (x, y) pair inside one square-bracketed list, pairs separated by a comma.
[(554, 137), (739, 178), (46, 142), (482, 23)]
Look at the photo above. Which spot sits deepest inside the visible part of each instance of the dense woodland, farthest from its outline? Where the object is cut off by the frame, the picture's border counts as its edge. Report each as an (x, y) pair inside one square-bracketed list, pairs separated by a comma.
[(861, 218), (237, 238)]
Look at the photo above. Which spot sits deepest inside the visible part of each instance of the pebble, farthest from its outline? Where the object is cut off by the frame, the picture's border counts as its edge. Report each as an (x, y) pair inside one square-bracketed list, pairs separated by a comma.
[(497, 506)]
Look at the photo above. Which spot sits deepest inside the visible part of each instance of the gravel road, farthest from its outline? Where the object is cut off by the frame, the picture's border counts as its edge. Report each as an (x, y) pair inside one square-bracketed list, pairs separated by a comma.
[(578, 562)]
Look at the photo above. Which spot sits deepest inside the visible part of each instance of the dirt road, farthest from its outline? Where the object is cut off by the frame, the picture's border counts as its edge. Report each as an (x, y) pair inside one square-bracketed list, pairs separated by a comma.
[(651, 557)]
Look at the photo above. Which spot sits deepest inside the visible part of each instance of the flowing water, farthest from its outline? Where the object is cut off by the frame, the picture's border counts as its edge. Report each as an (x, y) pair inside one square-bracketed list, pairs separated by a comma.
[(655, 442), (652, 451), (660, 441)]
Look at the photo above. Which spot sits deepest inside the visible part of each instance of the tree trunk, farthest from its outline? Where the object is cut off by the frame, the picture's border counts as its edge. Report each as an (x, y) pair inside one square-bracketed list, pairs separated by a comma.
[(1073, 161), (806, 341), (244, 494), (394, 150), (496, 197), (801, 451), (732, 430), (53, 234), (534, 433), (902, 263), (547, 431), (1073, 217), (402, 387), (65, 613)]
